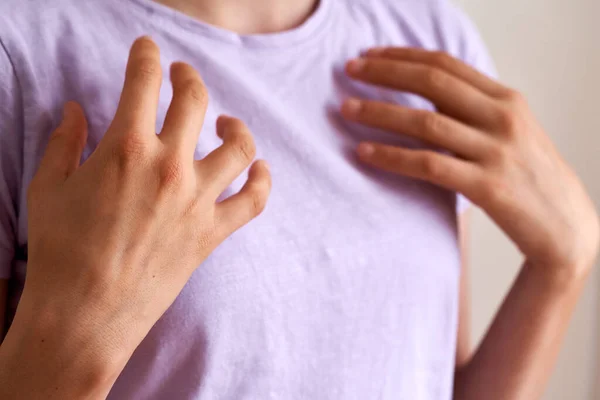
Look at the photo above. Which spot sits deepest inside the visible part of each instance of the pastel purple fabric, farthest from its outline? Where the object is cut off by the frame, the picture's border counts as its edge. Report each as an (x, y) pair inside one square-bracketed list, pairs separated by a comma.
[(347, 286)]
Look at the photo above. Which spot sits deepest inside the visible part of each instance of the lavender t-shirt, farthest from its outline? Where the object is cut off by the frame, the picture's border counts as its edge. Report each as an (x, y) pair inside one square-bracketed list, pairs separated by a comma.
[(347, 286)]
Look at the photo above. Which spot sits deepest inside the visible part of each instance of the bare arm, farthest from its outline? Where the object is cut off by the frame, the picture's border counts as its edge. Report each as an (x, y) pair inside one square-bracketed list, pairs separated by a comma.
[(518, 353), (463, 345), (522, 343), (99, 277), (500, 158), (3, 298)]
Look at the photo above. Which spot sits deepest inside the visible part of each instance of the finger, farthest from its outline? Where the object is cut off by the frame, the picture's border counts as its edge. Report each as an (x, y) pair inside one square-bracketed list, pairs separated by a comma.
[(431, 127), (185, 117), (448, 93), (139, 99), (229, 160), (239, 209), (439, 169), (63, 153), (443, 61)]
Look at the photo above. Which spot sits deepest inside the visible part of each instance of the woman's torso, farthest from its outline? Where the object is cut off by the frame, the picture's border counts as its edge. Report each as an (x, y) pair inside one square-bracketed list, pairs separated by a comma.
[(347, 286)]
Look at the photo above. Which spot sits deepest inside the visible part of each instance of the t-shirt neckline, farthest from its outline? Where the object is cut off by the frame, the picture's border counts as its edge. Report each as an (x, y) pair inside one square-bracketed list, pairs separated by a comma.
[(307, 31)]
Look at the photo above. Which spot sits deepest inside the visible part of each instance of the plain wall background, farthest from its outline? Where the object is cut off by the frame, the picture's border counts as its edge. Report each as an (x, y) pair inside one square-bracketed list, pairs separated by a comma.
[(550, 50)]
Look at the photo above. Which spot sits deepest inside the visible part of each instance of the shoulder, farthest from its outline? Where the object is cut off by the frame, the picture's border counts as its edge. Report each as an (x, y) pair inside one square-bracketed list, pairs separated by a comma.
[(426, 14), (33, 31), (54, 46), (25, 18), (52, 51), (431, 24), (31, 28)]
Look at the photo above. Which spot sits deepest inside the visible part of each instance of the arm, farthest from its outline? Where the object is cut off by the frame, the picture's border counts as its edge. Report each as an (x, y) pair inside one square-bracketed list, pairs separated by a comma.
[(3, 299), (523, 341), (100, 256), (463, 345), (43, 357), (500, 158), (519, 351)]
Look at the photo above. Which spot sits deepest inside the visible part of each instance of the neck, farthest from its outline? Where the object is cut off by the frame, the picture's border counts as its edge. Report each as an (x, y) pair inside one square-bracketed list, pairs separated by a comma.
[(247, 16)]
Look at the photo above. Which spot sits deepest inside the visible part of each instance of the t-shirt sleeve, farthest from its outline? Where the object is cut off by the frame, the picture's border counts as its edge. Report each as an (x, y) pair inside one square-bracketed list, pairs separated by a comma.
[(461, 38), (11, 160)]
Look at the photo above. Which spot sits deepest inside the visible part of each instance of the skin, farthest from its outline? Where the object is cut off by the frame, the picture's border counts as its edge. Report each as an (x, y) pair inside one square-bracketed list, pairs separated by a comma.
[(250, 17), (85, 308), (464, 348), (3, 299), (247, 16), (242, 16), (504, 163)]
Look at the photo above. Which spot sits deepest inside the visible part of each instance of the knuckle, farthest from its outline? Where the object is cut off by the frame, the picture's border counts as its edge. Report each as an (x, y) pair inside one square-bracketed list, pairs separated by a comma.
[(392, 70), (442, 59), (258, 200), (431, 167), (131, 147), (497, 154), (369, 66), (194, 91), (515, 98), (243, 147), (487, 190), (171, 172), (432, 125), (435, 79), (493, 191), (147, 69), (508, 121)]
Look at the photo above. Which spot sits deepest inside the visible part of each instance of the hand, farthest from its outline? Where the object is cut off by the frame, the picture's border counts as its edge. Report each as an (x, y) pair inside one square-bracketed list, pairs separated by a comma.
[(503, 161), (113, 242)]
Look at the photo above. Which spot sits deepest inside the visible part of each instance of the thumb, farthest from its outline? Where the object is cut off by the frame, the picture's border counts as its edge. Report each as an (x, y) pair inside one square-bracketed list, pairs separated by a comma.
[(64, 149)]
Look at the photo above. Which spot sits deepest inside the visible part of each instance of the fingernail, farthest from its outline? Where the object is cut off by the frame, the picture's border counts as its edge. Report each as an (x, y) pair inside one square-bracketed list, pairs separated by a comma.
[(351, 106), (365, 150), (356, 65)]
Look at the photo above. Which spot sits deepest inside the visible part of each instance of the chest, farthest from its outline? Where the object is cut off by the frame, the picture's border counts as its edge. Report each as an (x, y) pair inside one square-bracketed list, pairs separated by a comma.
[(331, 223)]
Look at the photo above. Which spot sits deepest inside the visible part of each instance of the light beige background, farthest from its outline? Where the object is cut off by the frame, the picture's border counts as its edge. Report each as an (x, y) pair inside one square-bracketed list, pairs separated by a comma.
[(550, 50)]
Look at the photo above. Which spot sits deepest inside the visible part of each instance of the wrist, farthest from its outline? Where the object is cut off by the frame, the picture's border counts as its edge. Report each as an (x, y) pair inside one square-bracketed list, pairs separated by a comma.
[(561, 277), (44, 356)]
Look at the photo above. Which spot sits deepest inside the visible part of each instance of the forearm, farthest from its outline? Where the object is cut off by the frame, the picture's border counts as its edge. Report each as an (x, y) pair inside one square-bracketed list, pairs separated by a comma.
[(3, 305), (517, 355), (40, 359)]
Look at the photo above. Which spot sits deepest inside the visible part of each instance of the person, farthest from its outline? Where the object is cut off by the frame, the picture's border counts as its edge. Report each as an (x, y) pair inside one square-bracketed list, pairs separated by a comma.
[(371, 115)]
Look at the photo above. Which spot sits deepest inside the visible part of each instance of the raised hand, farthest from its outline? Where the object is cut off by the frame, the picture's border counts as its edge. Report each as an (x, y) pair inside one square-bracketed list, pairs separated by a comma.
[(503, 161), (112, 242)]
